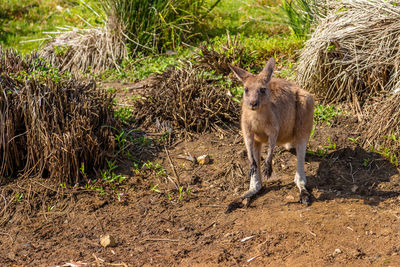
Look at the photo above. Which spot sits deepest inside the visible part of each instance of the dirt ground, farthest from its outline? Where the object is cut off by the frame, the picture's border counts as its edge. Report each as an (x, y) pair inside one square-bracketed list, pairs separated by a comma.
[(354, 218)]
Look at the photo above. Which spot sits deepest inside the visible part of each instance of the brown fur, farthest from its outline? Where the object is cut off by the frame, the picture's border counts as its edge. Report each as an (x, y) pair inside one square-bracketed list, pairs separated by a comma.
[(274, 111), (289, 110)]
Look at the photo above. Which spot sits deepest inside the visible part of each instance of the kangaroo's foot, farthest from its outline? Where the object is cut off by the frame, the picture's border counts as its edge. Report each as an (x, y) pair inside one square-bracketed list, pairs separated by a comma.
[(305, 197), (267, 171)]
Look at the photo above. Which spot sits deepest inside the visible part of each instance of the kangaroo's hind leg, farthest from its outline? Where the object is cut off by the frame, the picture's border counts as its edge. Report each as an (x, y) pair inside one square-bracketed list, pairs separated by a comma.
[(300, 177)]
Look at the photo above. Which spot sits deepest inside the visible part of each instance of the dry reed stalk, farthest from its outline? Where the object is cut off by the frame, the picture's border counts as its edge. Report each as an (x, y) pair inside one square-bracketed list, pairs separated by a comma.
[(50, 126), (354, 53)]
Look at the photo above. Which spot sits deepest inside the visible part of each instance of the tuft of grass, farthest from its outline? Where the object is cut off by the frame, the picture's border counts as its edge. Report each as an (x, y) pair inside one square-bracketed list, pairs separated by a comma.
[(154, 26), (325, 113), (301, 14)]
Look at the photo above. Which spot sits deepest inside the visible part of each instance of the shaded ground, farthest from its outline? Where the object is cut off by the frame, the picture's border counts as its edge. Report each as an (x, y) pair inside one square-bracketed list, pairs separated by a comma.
[(354, 219)]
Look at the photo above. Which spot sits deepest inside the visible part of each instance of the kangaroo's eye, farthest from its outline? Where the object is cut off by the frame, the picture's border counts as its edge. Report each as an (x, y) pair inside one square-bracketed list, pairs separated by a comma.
[(262, 90), (246, 90)]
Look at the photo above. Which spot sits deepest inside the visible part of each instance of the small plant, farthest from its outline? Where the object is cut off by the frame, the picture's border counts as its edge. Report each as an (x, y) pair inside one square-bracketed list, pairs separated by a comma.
[(124, 115), (325, 113), (354, 140), (331, 145), (154, 188), (154, 167), (181, 193), (320, 152), (109, 176), (180, 196)]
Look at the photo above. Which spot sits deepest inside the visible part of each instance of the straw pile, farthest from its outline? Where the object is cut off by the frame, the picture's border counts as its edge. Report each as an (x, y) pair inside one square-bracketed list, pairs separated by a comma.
[(382, 129), (189, 101), (218, 57), (50, 125), (354, 53), (83, 50)]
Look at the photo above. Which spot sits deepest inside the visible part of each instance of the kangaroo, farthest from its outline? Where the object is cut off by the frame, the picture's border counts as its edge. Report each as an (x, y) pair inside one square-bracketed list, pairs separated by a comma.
[(276, 112)]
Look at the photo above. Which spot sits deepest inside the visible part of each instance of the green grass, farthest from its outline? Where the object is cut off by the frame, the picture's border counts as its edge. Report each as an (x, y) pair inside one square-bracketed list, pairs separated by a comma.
[(139, 69), (26, 20), (260, 26), (247, 17), (325, 113)]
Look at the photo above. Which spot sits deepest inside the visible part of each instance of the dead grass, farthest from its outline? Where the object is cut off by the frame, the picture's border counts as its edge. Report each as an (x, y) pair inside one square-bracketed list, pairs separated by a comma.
[(218, 57), (83, 50), (187, 100), (382, 128), (51, 125), (354, 53)]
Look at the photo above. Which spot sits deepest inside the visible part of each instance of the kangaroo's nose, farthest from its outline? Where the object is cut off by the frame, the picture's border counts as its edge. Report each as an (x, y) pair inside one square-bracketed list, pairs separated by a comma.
[(253, 104)]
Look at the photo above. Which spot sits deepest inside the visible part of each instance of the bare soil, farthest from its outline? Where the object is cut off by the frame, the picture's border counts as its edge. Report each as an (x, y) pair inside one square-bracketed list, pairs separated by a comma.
[(353, 220)]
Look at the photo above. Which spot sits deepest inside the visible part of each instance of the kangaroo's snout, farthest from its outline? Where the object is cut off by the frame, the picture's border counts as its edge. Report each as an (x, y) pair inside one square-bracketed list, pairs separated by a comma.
[(254, 104)]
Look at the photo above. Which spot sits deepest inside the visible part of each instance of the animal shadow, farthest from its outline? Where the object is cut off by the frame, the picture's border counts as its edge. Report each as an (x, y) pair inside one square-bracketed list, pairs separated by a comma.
[(355, 173)]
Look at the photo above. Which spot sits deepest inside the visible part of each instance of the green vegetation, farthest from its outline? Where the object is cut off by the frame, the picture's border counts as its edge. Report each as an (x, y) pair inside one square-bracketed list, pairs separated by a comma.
[(156, 26), (109, 182), (22, 21), (325, 113), (301, 14)]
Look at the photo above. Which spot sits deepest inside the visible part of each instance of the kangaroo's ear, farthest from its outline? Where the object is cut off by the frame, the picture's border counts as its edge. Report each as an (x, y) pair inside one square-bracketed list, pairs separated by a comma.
[(241, 74), (266, 73)]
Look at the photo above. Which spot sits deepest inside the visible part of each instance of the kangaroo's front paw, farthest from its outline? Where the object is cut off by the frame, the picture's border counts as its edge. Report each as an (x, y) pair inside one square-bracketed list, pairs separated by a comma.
[(305, 197), (267, 171)]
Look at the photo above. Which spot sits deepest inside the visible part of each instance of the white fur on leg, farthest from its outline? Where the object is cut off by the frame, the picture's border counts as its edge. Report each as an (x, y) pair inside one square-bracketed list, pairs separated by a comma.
[(255, 186), (300, 177)]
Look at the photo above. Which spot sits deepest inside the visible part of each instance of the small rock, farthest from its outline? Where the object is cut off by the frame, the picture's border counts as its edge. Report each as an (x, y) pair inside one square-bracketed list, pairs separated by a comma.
[(337, 252), (246, 202), (203, 160), (290, 197), (107, 241)]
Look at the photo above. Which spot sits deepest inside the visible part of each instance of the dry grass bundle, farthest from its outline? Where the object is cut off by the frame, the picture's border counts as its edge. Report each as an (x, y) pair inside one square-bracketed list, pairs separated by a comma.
[(354, 53), (51, 125), (188, 100), (382, 130), (83, 50), (217, 57)]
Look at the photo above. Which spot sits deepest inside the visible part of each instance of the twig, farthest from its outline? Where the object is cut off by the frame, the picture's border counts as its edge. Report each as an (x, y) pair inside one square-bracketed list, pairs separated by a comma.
[(207, 227), (5, 202), (172, 181), (172, 166), (314, 234), (160, 239)]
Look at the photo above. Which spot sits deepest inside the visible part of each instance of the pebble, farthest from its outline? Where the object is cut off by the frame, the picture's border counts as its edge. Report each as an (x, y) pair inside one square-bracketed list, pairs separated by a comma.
[(337, 252), (203, 160), (107, 241)]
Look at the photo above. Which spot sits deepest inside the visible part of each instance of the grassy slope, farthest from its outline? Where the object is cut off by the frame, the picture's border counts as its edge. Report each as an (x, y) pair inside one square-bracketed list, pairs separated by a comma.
[(26, 20), (258, 23)]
